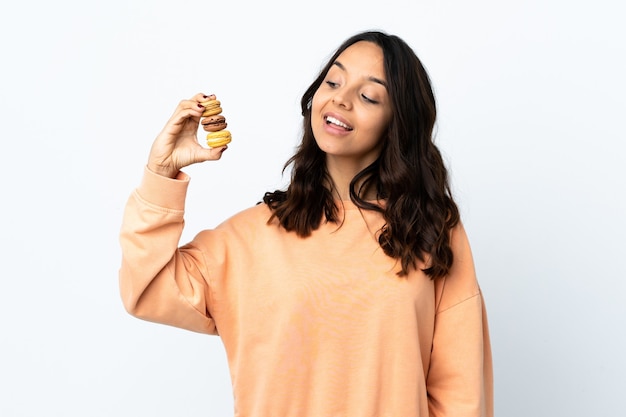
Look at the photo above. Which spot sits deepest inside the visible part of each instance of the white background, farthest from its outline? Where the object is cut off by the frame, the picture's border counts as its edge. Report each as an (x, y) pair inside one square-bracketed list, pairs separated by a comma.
[(531, 97)]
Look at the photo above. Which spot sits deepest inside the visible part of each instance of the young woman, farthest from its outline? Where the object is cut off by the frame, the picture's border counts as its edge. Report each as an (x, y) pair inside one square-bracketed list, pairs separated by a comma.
[(350, 293)]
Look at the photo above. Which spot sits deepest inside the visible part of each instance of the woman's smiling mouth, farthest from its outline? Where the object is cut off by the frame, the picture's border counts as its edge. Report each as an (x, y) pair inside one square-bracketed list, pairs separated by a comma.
[(336, 122)]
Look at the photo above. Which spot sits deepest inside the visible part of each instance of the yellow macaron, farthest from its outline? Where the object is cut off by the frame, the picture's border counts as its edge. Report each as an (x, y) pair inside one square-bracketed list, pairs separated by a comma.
[(217, 139)]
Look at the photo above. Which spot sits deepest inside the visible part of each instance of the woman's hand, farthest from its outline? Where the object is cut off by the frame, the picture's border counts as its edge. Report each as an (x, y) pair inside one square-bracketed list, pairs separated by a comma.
[(177, 145)]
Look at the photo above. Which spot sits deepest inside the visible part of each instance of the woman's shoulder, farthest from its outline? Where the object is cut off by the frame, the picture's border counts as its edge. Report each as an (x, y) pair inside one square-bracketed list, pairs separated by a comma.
[(460, 283), (246, 225), (251, 217)]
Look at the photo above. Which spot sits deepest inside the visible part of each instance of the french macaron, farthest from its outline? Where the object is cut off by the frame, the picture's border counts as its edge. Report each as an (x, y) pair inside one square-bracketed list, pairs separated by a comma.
[(214, 123), (211, 107), (219, 138)]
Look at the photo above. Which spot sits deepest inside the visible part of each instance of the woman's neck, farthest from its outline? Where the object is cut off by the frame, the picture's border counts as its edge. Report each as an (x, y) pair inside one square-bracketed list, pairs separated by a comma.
[(341, 176)]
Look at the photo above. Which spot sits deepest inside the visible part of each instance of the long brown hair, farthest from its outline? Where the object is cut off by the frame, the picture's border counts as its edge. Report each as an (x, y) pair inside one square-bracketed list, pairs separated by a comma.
[(409, 175)]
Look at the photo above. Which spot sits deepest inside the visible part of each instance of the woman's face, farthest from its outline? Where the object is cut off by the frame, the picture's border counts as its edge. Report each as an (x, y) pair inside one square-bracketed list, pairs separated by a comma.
[(350, 111)]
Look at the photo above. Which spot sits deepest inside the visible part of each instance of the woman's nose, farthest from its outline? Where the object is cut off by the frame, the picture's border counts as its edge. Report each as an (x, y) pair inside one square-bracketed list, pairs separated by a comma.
[(340, 99)]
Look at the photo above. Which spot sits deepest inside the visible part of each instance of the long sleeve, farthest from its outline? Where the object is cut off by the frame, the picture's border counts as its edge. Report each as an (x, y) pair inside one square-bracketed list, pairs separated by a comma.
[(158, 281), (460, 378)]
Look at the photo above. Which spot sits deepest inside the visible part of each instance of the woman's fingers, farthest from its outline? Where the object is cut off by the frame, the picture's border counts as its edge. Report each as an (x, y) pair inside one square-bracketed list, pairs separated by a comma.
[(213, 154), (201, 97), (177, 145)]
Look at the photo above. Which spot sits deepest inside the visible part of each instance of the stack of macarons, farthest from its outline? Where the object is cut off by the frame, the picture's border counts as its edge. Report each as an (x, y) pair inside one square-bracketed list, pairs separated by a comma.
[(215, 123)]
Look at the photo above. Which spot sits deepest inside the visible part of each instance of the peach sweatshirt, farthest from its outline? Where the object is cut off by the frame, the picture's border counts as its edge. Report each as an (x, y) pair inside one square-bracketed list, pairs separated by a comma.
[(312, 327)]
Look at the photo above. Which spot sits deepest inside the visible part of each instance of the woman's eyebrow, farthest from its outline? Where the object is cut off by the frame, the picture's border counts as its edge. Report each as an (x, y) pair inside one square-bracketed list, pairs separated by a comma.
[(370, 78)]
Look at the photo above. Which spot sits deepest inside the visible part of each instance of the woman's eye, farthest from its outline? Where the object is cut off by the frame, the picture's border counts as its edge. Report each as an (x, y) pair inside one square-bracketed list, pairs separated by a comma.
[(331, 84), (369, 100)]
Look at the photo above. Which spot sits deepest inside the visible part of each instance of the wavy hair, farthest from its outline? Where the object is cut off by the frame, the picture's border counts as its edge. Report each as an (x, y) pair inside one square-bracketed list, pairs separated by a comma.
[(409, 175)]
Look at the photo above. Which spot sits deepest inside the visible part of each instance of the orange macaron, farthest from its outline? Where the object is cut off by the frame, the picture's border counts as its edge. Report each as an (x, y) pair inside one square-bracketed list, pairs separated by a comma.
[(211, 107)]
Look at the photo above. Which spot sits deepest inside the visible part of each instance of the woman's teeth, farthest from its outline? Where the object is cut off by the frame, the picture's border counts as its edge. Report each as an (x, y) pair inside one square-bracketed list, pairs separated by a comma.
[(330, 119)]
